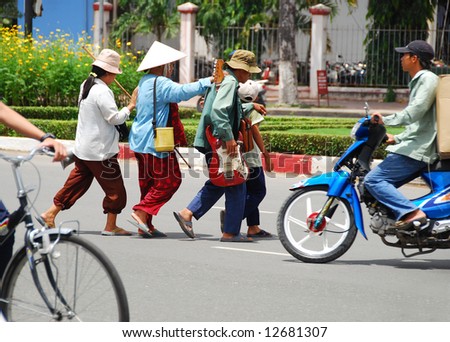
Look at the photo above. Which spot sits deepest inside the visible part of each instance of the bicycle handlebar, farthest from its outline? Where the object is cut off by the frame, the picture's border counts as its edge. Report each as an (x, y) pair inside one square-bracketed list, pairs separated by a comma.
[(20, 159)]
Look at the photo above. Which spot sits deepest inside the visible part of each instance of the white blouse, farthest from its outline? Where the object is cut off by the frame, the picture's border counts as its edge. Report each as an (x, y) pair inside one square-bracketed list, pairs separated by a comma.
[(96, 137)]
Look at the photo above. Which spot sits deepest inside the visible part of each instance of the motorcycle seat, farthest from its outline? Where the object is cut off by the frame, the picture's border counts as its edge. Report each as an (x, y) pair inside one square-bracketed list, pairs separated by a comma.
[(441, 165)]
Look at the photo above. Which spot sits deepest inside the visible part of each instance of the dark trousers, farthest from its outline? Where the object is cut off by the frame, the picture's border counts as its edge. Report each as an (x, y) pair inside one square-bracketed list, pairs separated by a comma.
[(256, 191), (6, 244), (210, 194)]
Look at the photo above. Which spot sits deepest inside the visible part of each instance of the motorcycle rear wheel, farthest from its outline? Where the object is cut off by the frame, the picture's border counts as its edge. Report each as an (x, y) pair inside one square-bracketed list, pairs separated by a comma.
[(312, 244)]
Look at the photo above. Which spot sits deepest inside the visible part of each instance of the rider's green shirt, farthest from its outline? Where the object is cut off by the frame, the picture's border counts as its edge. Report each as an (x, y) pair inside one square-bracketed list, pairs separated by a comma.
[(418, 140)]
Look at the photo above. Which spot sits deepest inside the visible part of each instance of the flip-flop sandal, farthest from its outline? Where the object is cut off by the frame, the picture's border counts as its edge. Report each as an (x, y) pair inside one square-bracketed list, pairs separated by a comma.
[(237, 238), (261, 234), (405, 225), (116, 232), (144, 228), (186, 226)]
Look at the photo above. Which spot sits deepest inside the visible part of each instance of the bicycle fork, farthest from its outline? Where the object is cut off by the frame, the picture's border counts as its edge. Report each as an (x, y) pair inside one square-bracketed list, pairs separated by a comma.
[(47, 253)]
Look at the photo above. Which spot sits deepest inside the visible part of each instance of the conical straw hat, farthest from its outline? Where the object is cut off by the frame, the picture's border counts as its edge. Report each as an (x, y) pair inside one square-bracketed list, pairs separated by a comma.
[(160, 54)]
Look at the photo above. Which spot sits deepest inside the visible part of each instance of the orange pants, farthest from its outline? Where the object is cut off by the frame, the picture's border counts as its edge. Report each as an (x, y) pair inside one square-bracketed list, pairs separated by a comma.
[(108, 175)]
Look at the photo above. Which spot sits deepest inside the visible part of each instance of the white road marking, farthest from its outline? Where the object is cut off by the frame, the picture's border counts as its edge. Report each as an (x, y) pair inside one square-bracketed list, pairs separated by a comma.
[(261, 211), (250, 251)]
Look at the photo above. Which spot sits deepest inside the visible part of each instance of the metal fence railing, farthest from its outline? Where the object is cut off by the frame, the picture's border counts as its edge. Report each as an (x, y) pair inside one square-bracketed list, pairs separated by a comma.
[(355, 56)]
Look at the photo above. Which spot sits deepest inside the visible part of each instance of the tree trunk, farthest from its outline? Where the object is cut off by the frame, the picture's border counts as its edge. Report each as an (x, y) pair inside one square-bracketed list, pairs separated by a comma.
[(287, 88)]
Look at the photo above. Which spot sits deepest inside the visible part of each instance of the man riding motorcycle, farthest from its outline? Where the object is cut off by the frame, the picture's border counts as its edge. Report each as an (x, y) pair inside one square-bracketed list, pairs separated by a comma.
[(414, 148)]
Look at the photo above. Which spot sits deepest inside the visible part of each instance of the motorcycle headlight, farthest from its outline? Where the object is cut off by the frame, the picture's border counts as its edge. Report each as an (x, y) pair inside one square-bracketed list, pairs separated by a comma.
[(360, 130), (356, 127)]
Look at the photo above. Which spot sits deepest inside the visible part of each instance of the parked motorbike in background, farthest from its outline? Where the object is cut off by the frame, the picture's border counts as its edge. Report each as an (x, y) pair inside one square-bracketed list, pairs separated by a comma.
[(319, 221), (345, 73)]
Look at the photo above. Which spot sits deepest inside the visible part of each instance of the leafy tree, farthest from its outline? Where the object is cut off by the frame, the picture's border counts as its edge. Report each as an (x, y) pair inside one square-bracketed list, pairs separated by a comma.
[(8, 12), (159, 17), (287, 68), (215, 16), (383, 66), (292, 18)]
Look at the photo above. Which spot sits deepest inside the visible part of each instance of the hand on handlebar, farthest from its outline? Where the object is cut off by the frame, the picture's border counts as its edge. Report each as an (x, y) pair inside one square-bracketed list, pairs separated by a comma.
[(59, 149), (390, 139), (376, 118)]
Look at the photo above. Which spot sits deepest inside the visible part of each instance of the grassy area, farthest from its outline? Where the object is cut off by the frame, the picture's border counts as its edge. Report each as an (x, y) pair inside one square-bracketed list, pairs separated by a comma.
[(302, 125)]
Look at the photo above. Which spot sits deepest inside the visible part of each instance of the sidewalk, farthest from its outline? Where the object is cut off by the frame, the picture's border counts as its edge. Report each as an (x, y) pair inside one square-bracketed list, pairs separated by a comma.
[(283, 163)]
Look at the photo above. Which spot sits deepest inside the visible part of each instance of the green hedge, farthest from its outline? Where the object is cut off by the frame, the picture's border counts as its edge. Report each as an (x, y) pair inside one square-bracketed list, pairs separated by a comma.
[(310, 144), (48, 113), (71, 113)]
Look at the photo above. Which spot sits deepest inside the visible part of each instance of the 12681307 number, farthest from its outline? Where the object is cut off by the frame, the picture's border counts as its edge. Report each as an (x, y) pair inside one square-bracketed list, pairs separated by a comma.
[(295, 331)]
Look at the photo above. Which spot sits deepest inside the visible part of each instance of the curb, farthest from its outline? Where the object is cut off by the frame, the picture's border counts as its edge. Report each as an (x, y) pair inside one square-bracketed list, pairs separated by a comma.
[(282, 162), (286, 163)]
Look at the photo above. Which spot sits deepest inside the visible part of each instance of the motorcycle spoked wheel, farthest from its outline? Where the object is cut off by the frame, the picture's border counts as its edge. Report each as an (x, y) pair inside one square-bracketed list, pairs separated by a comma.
[(324, 242)]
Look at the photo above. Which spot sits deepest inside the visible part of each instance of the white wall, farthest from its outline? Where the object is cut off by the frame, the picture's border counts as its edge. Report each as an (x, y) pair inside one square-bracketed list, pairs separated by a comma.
[(348, 41)]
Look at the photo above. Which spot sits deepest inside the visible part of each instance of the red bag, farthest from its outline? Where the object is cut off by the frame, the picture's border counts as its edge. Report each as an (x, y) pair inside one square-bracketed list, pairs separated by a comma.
[(223, 170), (178, 129)]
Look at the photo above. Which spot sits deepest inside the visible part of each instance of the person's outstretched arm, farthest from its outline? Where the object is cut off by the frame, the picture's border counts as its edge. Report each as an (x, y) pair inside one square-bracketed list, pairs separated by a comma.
[(17, 122)]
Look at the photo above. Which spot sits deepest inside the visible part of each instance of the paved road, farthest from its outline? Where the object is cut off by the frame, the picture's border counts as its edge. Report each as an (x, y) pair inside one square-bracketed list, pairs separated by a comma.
[(178, 279)]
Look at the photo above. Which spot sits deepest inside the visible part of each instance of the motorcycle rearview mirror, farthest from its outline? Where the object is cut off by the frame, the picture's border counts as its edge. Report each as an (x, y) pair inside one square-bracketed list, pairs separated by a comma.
[(366, 108)]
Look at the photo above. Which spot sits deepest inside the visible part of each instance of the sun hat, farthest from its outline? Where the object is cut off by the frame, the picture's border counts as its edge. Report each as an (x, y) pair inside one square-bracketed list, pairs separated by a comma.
[(420, 48), (160, 54), (108, 60), (248, 91), (245, 60)]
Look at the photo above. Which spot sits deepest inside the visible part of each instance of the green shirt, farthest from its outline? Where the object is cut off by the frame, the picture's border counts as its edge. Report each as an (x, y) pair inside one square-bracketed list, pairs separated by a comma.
[(418, 140), (222, 110)]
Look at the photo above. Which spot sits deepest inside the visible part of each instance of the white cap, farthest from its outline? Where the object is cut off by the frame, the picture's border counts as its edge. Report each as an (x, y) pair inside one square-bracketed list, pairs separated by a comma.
[(160, 54), (248, 91)]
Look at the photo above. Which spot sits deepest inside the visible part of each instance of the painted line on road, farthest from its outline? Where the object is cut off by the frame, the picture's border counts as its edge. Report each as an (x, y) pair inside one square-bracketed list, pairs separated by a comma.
[(261, 211), (250, 251)]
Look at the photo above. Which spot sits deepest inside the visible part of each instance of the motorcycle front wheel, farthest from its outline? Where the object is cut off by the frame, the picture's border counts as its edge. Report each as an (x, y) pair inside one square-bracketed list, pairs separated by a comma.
[(310, 242)]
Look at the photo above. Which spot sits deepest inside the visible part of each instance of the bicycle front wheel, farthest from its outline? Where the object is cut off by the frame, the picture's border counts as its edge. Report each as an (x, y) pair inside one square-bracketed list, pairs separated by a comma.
[(80, 282)]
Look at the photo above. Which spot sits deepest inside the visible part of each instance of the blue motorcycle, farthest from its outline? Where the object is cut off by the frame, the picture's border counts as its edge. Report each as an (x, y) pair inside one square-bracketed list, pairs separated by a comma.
[(319, 221)]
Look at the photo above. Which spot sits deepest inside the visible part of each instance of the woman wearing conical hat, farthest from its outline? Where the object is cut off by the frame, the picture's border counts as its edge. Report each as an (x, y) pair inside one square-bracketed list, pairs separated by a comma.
[(159, 172)]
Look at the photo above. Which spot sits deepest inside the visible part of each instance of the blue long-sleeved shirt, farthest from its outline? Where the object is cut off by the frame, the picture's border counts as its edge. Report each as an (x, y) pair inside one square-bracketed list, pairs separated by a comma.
[(142, 134)]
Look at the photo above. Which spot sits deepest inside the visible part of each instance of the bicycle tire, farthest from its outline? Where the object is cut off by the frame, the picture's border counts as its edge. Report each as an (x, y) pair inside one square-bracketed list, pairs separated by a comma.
[(85, 277)]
